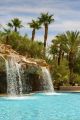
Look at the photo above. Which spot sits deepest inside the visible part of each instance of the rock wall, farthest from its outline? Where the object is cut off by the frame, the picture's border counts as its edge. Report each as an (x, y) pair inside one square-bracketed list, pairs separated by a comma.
[(3, 82), (31, 77)]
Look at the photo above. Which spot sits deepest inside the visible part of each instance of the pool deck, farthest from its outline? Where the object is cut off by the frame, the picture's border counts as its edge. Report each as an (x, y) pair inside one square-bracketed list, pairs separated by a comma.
[(69, 88), (61, 91)]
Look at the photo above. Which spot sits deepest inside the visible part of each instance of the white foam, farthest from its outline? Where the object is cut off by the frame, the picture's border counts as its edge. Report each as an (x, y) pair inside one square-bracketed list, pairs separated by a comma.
[(18, 97), (52, 93)]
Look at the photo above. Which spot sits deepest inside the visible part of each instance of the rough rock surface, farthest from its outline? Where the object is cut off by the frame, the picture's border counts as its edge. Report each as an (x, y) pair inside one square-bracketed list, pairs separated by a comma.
[(31, 66)]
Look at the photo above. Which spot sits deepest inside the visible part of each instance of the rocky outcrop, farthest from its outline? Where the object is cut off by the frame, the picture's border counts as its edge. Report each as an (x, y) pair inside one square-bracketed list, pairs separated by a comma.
[(31, 67), (6, 51)]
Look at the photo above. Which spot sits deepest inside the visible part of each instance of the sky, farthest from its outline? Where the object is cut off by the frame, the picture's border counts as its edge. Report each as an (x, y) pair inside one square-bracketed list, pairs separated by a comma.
[(65, 12)]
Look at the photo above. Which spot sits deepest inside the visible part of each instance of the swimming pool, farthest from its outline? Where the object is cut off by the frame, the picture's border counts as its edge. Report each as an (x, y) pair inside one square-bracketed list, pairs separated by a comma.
[(41, 106)]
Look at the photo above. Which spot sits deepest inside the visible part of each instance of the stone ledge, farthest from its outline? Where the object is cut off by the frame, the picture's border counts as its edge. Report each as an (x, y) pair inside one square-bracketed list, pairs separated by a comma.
[(70, 88)]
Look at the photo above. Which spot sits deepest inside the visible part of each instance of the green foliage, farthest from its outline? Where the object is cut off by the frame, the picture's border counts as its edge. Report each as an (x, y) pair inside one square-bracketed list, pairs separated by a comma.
[(35, 24), (60, 74), (77, 64), (72, 40), (66, 46), (46, 18), (24, 45), (36, 49), (76, 79), (15, 23), (33, 70)]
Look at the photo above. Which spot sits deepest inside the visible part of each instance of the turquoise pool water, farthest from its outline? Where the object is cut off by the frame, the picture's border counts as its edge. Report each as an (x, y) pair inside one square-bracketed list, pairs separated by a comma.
[(60, 106)]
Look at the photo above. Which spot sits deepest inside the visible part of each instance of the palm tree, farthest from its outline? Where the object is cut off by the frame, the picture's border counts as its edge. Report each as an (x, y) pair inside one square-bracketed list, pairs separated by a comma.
[(73, 42), (45, 19), (15, 23), (58, 46), (6, 34), (35, 25)]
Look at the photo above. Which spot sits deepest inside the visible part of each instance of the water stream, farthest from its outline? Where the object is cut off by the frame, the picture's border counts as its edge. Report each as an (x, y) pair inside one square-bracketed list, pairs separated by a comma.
[(47, 81), (16, 79), (14, 84)]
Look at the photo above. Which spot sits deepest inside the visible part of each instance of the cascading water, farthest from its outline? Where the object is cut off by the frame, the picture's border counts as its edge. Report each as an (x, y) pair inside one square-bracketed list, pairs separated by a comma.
[(14, 84), (18, 68), (18, 83), (47, 81)]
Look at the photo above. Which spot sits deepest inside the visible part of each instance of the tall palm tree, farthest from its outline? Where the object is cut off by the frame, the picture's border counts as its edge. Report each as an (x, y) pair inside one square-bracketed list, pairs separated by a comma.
[(73, 42), (35, 25), (45, 19), (15, 23)]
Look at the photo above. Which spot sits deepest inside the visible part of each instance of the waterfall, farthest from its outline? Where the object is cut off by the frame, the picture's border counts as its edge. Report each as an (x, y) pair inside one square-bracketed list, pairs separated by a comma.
[(14, 84), (19, 82), (46, 81)]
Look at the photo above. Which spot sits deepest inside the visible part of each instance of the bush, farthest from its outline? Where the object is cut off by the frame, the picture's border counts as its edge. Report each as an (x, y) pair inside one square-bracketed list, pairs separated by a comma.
[(23, 45), (60, 74)]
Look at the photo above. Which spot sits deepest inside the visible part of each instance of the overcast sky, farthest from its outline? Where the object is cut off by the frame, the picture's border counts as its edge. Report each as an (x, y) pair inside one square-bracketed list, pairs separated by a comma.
[(66, 14)]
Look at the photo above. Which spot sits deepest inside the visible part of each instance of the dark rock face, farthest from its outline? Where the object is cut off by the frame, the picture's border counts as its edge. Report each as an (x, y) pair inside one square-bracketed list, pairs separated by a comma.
[(32, 79), (34, 82), (3, 83)]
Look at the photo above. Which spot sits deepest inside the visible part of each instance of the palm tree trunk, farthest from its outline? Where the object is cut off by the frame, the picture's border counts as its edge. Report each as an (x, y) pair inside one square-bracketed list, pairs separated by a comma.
[(62, 55), (71, 67), (59, 57), (45, 37), (67, 56), (15, 29), (33, 34)]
